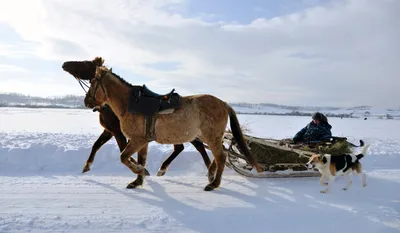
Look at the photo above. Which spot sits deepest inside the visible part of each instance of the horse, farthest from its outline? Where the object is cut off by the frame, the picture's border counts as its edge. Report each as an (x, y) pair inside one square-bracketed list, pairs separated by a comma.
[(109, 121), (200, 116)]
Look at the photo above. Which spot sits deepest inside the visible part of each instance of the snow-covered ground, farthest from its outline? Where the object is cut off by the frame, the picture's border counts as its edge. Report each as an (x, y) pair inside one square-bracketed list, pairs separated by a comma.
[(42, 152)]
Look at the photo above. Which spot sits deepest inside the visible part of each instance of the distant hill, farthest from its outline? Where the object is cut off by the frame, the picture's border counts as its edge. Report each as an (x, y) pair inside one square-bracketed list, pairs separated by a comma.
[(20, 100), (353, 112), (73, 101)]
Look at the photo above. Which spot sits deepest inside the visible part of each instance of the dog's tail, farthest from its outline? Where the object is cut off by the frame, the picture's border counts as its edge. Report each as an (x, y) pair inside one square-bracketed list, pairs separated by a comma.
[(363, 152), (361, 144)]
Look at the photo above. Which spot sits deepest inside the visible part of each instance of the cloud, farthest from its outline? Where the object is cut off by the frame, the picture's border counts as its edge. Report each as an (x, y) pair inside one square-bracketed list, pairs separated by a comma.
[(25, 86), (11, 69), (341, 53), (16, 50)]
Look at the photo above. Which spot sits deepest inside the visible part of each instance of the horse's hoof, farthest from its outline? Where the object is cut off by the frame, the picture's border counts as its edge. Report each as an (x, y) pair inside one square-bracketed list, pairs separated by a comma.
[(209, 187), (145, 172), (161, 173), (133, 185), (85, 169)]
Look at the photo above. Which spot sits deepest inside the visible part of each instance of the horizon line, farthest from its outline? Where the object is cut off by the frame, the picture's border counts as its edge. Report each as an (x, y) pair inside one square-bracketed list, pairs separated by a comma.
[(260, 103)]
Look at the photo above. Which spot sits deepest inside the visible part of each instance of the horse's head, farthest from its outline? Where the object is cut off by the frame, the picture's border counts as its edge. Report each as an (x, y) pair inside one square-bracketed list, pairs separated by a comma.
[(96, 95), (83, 70), (88, 70)]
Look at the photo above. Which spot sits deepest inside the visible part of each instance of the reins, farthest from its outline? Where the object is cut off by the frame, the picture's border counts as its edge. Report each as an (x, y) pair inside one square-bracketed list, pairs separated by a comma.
[(84, 84)]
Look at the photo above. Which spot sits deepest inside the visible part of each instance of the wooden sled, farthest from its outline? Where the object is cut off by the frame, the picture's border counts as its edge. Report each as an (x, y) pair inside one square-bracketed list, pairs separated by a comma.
[(279, 158)]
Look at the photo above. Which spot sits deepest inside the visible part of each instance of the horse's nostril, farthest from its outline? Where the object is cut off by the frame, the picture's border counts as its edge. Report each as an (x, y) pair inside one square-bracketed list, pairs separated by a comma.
[(66, 65)]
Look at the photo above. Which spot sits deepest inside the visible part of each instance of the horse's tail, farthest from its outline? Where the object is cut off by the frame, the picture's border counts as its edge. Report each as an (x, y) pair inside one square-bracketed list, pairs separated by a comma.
[(238, 135)]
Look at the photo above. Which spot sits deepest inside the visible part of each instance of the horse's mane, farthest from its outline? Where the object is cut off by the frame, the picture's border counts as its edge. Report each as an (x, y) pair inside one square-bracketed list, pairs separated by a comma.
[(105, 69)]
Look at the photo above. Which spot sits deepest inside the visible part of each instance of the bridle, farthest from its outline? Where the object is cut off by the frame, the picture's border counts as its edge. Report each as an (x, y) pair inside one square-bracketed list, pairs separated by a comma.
[(98, 83)]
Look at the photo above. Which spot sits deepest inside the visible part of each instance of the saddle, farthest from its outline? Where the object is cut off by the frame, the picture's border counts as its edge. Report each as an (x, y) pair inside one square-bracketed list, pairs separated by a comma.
[(148, 103), (149, 93)]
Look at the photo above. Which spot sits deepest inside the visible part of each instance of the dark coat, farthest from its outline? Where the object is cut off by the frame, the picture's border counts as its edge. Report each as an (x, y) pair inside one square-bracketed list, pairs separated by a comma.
[(314, 133)]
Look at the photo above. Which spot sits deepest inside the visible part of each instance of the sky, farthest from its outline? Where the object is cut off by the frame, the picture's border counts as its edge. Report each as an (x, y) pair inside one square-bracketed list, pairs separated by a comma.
[(340, 53)]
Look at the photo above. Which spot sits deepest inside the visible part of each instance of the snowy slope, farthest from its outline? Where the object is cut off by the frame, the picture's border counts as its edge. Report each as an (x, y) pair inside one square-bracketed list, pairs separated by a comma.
[(42, 189)]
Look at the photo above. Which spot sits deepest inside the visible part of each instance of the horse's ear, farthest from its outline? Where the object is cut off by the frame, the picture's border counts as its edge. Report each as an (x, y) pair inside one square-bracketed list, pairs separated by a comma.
[(98, 61), (111, 69)]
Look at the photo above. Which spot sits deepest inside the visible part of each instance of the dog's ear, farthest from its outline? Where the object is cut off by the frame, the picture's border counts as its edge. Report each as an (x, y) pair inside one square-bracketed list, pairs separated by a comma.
[(323, 158)]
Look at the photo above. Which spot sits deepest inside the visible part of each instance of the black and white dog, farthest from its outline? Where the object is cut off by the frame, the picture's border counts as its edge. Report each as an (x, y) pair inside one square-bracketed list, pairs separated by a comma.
[(331, 166)]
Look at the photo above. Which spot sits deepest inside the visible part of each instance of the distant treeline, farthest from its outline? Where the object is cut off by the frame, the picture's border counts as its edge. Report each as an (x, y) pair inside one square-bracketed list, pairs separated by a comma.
[(19, 100), (296, 113), (288, 107), (2, 105)]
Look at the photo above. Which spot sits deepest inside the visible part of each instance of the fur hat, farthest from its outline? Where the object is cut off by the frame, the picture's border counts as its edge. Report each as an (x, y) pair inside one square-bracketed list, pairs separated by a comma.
[(317, 116)]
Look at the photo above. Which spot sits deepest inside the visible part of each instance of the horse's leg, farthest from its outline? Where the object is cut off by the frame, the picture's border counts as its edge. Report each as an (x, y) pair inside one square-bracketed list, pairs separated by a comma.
[(142, 157), (211, 171), (121, 141), (178, 148), (104, 137), (202, 150), (219, 163), (133, 146)]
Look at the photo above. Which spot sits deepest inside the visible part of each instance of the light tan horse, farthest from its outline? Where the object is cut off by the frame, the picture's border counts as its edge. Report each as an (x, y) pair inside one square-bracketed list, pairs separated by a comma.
[(199, 116)]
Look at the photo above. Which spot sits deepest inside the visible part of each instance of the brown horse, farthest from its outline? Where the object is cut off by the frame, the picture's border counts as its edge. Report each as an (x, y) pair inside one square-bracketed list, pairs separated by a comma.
[(111, 126), (199, 116)]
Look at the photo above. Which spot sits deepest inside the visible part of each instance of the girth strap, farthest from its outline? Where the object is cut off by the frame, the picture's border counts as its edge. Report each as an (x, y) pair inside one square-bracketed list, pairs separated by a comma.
[(150, 127)]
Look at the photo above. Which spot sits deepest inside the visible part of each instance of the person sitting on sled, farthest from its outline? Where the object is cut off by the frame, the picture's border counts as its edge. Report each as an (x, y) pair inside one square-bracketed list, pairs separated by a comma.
[(316, 131)]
